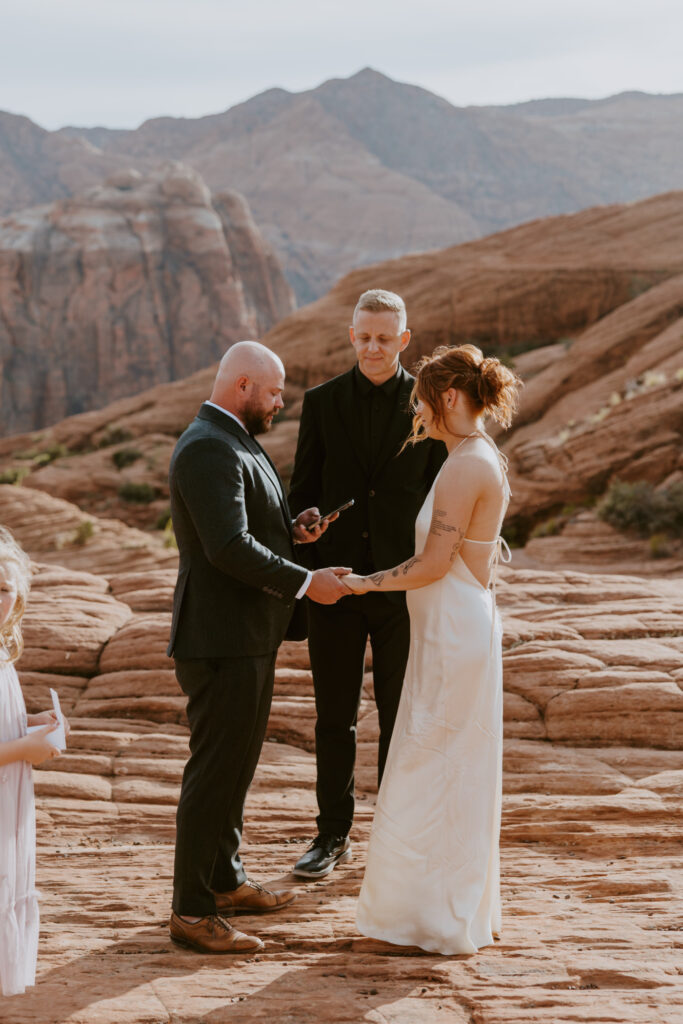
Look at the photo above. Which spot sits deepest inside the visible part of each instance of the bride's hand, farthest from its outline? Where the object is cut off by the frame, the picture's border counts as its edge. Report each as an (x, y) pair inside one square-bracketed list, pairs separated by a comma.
[(356, 584)]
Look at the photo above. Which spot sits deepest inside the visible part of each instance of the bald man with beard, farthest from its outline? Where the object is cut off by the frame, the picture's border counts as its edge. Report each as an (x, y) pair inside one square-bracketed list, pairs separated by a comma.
[(238, 583)]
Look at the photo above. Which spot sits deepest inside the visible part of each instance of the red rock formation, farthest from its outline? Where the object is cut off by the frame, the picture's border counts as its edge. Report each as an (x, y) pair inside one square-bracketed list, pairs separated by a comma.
[(604, 402), (134, 282)]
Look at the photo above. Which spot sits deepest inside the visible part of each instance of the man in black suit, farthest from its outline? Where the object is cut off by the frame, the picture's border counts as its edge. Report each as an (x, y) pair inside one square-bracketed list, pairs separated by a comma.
[(350, 446), (237, 587)]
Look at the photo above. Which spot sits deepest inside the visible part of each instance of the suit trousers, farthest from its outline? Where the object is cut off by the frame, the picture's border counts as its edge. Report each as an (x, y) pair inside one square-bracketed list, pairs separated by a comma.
[(228, 705), (337, 638)]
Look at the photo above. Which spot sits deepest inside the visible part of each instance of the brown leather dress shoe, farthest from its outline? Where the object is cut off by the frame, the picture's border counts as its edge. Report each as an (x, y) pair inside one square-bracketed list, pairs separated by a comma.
[(212, 935), (252, 898)]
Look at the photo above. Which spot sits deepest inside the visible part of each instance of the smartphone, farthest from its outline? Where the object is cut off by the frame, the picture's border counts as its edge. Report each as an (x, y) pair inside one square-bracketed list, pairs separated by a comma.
[(341, 508)]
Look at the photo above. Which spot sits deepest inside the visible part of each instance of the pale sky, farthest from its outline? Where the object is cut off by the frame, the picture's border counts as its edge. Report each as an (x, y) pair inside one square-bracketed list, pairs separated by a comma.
[(100, 62)]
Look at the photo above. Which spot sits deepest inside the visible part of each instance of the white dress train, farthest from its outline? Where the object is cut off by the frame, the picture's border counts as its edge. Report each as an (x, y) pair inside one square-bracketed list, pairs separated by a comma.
[(432, 877), (19, 917)]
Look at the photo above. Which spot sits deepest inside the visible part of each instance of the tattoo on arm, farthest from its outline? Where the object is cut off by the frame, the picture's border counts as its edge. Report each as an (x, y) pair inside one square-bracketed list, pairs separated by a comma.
[(458, 544), (441, 526), (400, 570), (440, 523)]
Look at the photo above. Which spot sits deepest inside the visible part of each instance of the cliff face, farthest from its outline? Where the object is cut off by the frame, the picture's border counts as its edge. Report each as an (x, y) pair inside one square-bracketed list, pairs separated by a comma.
[(137, 281)]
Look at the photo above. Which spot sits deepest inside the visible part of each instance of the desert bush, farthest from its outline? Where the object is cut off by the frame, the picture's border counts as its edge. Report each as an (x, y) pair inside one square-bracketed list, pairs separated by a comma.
[(550, 528), (640, 508), (13, 476), (125, 457), (169, 535), (55, 451), (163, 519), (114, 435), (659, 546), (83, 532), (139, 494)]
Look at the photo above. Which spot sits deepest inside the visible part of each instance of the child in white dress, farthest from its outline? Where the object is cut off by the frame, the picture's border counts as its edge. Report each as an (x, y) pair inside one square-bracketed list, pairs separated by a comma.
[(18, 751)]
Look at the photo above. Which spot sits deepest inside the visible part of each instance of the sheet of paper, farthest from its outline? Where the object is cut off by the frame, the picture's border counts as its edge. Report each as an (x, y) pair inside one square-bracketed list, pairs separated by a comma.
[(56, 737)]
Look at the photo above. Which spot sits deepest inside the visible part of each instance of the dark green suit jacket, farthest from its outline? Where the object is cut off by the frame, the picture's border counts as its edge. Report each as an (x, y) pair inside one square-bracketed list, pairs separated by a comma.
[(237, 578)]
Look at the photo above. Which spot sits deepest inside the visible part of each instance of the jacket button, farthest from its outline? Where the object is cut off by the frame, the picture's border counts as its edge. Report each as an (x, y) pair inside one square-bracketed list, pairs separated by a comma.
[(365, 534), (371, 493)]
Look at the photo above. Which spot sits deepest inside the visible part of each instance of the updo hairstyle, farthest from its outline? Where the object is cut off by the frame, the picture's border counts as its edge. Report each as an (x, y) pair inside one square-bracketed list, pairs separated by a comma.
[(491, 388)]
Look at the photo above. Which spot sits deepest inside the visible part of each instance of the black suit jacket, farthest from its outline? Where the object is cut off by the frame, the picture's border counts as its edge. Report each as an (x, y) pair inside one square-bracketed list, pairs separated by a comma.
[(237, 578), (332, 465)]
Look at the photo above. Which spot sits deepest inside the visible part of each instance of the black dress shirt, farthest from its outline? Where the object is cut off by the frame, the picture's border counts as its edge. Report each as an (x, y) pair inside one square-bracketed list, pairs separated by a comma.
[(375, 407)]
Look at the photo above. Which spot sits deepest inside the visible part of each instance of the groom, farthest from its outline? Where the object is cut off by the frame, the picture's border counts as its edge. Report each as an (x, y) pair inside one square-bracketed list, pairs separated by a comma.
[(237, 587), (351, 446)]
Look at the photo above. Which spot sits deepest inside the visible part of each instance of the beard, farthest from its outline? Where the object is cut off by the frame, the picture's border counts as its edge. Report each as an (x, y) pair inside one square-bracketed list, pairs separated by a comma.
[(257, 420)]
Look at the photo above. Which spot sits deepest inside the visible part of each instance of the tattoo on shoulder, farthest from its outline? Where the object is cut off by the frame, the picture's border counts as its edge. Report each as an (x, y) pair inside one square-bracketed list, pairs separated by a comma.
[(440, 524)]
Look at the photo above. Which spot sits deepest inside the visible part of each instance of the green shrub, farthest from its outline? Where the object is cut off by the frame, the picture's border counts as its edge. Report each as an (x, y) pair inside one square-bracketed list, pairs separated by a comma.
[(13, 476), (139, 494), (659, 546), (83, 532), (550, 528), (125, 457), (163, 519), (47, 455), (169, 535), (639, 508), (114, 435)]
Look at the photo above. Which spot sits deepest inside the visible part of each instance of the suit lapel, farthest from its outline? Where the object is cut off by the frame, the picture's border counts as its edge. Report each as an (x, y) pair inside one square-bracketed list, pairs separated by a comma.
[(346, 407), (255, 450), (396, 432), (267, 467)]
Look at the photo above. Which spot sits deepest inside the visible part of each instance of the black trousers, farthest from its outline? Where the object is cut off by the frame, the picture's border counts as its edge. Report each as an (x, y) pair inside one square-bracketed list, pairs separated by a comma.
[(337, 638), (228, 706)]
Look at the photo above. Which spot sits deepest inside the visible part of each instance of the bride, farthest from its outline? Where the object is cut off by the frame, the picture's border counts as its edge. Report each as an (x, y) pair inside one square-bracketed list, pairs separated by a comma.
[(432, 875)]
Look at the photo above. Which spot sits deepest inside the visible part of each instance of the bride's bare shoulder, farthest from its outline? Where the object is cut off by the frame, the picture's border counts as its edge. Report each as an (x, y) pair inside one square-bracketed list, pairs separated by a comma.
[(467, 469)]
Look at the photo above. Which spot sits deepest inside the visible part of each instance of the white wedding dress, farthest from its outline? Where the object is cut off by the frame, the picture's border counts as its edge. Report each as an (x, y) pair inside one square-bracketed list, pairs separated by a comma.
[(432, 877)]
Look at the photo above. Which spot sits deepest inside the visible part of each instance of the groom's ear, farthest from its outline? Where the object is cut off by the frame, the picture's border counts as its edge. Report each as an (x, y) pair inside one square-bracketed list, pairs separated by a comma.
[(405, 339)]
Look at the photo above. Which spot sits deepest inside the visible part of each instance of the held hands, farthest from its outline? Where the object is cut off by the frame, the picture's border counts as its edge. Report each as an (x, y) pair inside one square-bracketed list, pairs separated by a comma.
[(309, 527), (326, 586), (357, 584)]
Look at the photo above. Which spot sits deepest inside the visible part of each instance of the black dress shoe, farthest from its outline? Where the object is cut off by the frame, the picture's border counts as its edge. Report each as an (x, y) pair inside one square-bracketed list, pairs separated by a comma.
[(323, 855)]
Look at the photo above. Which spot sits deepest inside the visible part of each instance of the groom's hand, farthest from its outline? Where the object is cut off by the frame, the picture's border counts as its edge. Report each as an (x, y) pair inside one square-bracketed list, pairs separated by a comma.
[(309, 527), (326, 586)]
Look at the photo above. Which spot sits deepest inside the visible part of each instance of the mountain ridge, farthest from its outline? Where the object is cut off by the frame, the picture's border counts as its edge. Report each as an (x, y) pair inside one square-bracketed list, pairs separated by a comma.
[(362, 169)]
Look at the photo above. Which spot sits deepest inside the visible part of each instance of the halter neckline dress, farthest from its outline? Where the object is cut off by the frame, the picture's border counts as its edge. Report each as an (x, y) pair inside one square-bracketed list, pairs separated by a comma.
[(432, 877)]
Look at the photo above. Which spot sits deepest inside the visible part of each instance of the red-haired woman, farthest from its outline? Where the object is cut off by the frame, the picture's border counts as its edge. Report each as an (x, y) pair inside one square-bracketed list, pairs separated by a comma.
[(432, 875)]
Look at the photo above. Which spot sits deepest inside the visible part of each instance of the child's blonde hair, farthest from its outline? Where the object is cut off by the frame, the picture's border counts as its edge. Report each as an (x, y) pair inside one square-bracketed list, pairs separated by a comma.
[(17, 565)]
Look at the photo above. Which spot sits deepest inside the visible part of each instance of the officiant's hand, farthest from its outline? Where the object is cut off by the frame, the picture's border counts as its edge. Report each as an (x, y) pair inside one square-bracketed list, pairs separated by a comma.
[(309, 527), (356, 584)]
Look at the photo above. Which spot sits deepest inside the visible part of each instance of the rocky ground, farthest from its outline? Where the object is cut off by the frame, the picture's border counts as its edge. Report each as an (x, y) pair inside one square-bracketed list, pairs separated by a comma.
[(591, 832)]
